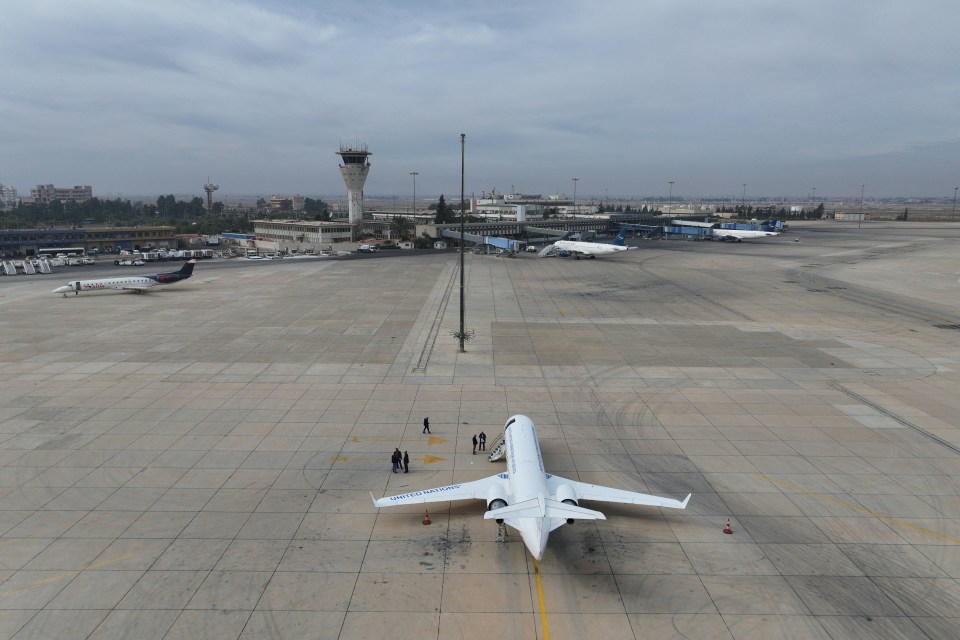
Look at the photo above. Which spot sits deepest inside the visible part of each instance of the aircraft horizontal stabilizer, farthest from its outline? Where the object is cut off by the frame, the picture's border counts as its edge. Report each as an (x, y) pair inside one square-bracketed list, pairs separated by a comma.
[(541, 507)]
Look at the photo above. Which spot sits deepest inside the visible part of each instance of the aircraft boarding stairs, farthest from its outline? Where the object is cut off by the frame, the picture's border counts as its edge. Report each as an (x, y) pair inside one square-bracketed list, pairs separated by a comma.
[(543, 254), (499, 448)]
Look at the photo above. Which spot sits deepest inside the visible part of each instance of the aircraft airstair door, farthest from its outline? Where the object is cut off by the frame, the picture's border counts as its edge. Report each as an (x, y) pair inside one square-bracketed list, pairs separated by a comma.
[(545, 251), (499, 448)]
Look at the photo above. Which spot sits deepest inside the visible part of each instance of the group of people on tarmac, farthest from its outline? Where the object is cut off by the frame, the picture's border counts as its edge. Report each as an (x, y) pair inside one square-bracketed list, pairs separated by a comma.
[(402, 460)]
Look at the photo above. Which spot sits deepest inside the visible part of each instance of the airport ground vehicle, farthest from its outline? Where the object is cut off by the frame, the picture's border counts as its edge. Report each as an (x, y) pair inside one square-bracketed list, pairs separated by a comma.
[(367, 248)]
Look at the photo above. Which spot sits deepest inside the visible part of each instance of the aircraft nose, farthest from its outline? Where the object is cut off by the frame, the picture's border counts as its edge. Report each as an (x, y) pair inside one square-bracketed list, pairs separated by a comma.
[(64, 289)]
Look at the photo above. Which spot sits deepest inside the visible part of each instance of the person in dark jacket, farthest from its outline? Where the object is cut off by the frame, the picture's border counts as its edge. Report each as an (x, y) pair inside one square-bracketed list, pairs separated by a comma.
[(426, 425), (406, 462), (474, 444)]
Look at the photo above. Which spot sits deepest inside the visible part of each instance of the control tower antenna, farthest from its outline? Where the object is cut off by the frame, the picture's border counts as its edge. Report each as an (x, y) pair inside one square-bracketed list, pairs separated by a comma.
[(210, 188), (354, 170)]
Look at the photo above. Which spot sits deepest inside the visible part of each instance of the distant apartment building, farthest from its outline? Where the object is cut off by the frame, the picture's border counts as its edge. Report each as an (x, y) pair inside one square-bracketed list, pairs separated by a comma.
[(8, 197), (286, 203), (46, 193)]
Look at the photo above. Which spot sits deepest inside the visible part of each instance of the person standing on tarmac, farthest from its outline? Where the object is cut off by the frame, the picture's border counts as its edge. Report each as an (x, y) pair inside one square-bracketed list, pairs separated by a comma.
[(406, 462), (474, 444), (483, 441), (426, 425)]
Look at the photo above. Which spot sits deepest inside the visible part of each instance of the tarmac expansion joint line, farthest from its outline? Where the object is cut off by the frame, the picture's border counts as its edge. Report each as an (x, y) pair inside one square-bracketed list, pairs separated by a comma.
[(895, 417), (853, 507)]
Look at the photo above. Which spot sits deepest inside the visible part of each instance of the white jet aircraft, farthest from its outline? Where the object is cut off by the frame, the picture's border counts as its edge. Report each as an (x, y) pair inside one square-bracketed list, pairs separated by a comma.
[(732, 235), (138, 284), (593, 249), (528, 498)]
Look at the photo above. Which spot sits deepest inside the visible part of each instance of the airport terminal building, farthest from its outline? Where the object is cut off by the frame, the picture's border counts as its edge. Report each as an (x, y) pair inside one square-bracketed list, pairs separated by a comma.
[(28, 242)]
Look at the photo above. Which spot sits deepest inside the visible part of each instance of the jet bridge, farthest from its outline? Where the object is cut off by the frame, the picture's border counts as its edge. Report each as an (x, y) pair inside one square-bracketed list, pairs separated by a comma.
[(500, 243)]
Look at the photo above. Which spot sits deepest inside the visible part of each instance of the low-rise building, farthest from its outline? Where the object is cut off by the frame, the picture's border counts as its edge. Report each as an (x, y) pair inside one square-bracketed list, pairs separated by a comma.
[(47, 193), (294, 232), (28, 242), (286, 203)]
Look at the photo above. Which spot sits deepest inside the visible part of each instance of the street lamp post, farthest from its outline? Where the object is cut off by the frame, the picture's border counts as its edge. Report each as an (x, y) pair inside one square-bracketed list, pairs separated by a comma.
[(670, 198), (575, 180), (414, 174), (860, 217), (463, 311)]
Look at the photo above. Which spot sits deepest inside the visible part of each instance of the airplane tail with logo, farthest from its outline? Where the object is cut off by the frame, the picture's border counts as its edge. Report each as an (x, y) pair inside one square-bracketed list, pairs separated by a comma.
[(175, 276), (187, 269), (621, 238)]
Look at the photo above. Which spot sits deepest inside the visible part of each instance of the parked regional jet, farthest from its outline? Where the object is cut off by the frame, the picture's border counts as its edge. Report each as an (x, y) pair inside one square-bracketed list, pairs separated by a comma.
[(733, 235), (528, 498), (134, 283), (593, 249)]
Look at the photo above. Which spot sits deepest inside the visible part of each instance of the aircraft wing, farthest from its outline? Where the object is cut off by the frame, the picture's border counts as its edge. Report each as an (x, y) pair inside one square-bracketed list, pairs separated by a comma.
[(600, 493), (475, 490), (136, 287)]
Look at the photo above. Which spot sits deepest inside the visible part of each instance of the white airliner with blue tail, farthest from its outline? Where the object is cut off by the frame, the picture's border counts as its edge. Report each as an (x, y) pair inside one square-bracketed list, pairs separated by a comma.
[(526, 497), (593, 249)]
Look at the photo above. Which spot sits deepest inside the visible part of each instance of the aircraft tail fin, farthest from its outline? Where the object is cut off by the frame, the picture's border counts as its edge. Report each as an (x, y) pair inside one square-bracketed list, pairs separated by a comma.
[(187, 268), (621, 238), (543, 507)]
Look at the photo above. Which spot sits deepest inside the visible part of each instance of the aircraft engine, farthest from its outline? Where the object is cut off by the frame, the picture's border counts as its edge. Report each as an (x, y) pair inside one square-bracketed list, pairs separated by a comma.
[(497, 499), (566, 495)]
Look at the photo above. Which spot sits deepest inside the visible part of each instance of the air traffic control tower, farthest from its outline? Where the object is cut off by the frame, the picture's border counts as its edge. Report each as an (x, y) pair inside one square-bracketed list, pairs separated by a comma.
[(354, 170)]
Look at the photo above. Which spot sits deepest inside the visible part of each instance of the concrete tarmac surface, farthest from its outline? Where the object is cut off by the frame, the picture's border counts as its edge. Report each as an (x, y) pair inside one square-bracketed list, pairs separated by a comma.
[(196, 461)]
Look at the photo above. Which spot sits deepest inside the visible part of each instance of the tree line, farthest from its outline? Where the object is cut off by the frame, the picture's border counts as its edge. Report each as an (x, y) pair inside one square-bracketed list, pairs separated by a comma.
[(187, 216)]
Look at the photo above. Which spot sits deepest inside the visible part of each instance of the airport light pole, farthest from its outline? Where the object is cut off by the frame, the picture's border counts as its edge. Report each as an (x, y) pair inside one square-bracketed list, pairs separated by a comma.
[(743, 200), (575, 180), (414, 174), (462, 336), (953, 215), (670, 199), (860, 217), (813, 199)]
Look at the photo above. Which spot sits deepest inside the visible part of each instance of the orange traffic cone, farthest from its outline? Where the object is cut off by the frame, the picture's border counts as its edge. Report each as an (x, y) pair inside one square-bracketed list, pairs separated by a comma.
[(426, 517), (727, 528)]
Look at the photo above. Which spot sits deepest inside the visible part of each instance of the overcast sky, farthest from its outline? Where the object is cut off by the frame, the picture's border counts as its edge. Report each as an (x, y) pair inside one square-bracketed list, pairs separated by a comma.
[(141, 98)]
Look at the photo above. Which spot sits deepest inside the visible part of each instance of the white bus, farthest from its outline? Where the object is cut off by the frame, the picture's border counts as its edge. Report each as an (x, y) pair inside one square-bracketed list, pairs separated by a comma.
[(67, 251)]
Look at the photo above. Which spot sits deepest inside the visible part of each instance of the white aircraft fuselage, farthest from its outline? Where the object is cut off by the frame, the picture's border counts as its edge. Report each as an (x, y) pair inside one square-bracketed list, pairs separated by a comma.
[(740, 234), (526, 497), (720, 233), (133, 283), (588, 248), (593, 249)]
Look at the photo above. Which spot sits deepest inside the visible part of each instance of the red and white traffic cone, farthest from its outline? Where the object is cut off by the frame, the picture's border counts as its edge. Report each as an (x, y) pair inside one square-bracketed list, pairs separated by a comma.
[(426, 517), (727, 528)]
